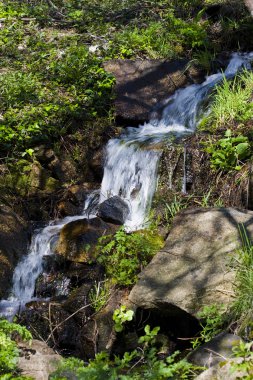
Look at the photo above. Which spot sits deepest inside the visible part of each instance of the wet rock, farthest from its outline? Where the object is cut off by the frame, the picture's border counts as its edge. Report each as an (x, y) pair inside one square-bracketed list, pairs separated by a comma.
[(78, 239), (52, 285), (193, 270), (141, 84), (78, 303), (37, 360), (215, 351), (50, 322), (114, 210), (78, 193), (14, 239), (66, 208), (60, 277)]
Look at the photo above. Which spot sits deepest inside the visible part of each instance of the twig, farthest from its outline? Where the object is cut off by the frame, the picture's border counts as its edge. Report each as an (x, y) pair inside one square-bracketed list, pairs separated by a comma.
[(50, 323)]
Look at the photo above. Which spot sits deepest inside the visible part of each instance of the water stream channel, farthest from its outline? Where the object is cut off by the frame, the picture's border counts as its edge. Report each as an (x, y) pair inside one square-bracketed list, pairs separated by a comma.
[(130, 171)]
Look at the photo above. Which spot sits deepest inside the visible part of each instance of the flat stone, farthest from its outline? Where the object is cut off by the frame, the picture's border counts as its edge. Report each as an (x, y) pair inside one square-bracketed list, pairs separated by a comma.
[(37, 360), (142, 84)]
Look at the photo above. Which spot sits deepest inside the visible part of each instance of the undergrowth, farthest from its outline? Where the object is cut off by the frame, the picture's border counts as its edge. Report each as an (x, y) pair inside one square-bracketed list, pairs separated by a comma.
[(52, 78), (125, 254), (9, 351), (141, 363)]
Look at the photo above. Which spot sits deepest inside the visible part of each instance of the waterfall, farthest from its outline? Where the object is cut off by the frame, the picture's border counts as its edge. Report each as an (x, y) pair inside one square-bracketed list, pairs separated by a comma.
[(132, 159), (130, 172), (31, 265)]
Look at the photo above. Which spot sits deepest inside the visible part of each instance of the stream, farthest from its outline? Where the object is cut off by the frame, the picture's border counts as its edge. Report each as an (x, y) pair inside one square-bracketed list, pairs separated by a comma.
[(130, 172)]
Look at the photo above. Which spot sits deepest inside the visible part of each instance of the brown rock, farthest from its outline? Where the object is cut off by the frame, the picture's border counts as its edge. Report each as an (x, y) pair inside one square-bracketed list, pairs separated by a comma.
[(142, 84), (78, 239), (14, 241)]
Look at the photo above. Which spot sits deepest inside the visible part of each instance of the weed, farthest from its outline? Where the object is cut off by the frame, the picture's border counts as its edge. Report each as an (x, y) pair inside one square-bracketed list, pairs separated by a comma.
[(125, 254), (242, 308), (231, 102), (120, 316), (212, 319), (173, 208), (244, 352), (100, 294), (228, 152)]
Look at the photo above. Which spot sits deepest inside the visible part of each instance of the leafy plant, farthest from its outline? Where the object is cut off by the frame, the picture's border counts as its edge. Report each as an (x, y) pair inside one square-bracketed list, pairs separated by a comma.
[(212, 320), (244, 352), (228, 152), (142, 363), (8, 348), (150, 335), (125, 254), (120, 316)]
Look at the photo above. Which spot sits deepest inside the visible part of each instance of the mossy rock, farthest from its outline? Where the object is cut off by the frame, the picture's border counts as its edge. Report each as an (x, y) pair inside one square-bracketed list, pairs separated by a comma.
[(78, 238)]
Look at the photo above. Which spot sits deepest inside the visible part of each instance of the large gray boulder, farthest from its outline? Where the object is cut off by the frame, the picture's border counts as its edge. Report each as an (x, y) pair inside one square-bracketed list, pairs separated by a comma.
[(193, 269)]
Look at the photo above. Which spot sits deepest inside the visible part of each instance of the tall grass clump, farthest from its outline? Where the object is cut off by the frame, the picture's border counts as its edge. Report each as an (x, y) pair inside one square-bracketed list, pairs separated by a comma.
[(233, 100), (242, 308)]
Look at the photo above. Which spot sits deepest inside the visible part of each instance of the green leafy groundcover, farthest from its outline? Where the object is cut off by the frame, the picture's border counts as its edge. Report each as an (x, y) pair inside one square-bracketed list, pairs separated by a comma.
[(9, 352), (125, 254)]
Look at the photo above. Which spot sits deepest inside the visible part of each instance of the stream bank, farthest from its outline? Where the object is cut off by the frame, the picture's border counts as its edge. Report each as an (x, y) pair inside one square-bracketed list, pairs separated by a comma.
[(60, 312)]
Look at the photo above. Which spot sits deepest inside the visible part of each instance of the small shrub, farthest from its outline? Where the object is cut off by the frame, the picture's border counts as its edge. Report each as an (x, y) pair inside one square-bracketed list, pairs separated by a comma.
[(228, 152), (120, 316), (212, 319), (8, 349), (125, 254)]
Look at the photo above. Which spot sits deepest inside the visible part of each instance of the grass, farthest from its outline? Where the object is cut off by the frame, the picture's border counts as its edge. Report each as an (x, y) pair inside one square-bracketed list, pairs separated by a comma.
[(233, 100), (242, 308), (231, 103)]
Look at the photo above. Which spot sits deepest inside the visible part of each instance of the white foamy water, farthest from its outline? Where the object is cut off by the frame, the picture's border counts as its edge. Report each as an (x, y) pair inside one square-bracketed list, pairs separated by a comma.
[(131, 164)]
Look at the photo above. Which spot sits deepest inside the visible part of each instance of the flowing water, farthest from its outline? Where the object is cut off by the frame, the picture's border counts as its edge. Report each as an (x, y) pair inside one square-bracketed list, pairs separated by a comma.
[(131, 164), (130, 172), (30, 267)]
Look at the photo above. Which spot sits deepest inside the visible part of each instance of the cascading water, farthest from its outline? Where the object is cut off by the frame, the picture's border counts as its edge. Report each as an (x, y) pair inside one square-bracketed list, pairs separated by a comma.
[(131, 165), (29, 268), (130, 172)]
